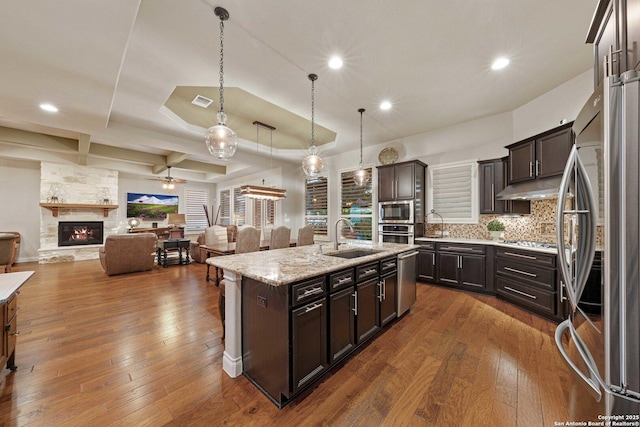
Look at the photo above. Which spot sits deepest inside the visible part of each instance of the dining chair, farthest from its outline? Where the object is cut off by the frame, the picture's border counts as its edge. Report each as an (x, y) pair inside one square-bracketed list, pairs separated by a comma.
[(305, 235), (7, 251), (280, 237), (247, 240), (215, 235)]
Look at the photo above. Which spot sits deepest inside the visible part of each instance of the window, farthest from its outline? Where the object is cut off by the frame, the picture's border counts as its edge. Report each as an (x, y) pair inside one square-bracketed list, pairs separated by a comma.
[(196, 201), (264, 213), (239, 207), (453, 192), (356, 206), (225, 208), (315, 212)]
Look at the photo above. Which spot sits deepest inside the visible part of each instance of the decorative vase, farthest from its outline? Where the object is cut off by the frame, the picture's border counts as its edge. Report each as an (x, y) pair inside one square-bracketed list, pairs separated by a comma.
[(495, 235)]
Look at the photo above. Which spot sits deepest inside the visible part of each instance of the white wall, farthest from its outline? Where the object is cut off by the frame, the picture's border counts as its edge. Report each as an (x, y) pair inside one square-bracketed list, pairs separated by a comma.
[(20, 184)]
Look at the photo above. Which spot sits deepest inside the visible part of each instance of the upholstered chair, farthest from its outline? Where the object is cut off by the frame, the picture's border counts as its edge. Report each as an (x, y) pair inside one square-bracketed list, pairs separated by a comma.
[(128, 253), (215, 235), (7, 251), (280, 237), (248, 240), (198, 254), (305, 236)]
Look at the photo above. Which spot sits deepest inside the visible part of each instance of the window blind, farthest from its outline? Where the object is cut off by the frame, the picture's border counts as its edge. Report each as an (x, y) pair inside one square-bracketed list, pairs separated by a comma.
[(196, 217), (225, 208), (452, 192), (264, 213), (316, 204), (239, 207), (356, 205)]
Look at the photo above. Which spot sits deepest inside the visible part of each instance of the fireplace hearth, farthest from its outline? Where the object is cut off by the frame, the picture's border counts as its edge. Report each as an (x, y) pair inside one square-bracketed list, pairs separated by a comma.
[(77, 233)]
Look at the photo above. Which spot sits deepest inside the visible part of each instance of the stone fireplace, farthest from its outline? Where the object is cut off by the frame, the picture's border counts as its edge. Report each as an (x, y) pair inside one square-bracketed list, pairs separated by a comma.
[(82, 189), (77, 233)]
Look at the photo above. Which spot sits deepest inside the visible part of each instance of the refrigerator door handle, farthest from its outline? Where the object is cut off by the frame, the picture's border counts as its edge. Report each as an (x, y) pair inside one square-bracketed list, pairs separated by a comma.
[(593, 385)]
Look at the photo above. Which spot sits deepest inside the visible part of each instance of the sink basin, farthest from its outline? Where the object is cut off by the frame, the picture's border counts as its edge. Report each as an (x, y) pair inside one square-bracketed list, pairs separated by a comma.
[(353, 253)]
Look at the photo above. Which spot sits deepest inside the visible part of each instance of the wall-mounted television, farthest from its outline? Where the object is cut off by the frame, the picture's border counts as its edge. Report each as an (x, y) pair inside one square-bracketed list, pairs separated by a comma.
[(151, 207)]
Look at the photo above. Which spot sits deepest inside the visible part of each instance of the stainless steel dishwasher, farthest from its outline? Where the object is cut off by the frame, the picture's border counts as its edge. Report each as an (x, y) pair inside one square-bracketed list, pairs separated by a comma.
[(406, 281)]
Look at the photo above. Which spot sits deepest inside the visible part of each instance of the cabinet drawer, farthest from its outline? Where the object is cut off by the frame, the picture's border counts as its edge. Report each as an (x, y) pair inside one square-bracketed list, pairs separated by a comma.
[(544, 260), (341, 279), (526, 296), (388, 265), (308, 290), (462, 248), (536, 276), (367, 271), (12, 308), (427, 245)]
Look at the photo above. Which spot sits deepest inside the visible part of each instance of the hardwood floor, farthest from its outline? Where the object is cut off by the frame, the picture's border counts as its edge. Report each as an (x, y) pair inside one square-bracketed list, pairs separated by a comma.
[(145, 349)]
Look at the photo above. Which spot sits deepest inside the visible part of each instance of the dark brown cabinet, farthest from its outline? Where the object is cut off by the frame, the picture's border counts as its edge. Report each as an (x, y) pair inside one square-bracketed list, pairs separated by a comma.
[(8, 312), (528, 279), (342, 338), (387, 290), (367, 310), (493, 179), (426, 262), (615, 32), (309, 342), (398, 181), (541, 156), (462, 266)]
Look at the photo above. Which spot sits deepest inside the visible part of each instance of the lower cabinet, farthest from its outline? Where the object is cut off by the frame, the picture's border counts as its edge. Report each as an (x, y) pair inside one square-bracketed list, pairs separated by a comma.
[(292, 334), (462, 266), (309, 342), (8, 312), (426, 262)]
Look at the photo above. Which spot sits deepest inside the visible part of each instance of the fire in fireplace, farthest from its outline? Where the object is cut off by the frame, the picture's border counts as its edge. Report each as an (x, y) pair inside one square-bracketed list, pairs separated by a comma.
[(72, 233)]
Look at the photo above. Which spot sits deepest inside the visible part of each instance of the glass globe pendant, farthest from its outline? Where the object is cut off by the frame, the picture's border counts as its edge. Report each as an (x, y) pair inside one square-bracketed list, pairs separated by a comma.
[(312, 164), (221, 141), (361, 176)]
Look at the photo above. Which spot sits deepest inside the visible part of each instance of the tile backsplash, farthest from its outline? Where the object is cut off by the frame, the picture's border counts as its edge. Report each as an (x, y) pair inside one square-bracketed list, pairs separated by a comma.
[(539, 226)]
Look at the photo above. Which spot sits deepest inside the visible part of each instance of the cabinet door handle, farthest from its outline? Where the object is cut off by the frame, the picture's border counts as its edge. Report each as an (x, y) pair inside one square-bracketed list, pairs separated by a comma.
[(562, 297), (384, 289), (520, 292), (433, 257), (355, 302), (460, 258), (537, 167), (313, 307), (370, 271), (389, 265), (530, 169), (520, 256), (449, 248), (526, 273), (344, 280), (312, 291), (380, 291)]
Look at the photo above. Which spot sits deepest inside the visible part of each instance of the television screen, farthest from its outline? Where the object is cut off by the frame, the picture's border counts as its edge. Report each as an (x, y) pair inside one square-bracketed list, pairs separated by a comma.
[(152, 207)]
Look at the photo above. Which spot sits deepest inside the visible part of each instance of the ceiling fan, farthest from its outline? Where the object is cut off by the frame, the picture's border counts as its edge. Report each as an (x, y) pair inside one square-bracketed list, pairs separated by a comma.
[(169, 182)]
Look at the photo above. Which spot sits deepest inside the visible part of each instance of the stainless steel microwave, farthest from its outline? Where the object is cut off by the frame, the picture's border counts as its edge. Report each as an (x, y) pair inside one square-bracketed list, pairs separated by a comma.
[(398, 212)]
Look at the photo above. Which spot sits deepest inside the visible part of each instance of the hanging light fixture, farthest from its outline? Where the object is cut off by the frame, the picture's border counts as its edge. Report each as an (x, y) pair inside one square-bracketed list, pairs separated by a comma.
[(312, 164), (221, 140), (263, 193), (361, 176)]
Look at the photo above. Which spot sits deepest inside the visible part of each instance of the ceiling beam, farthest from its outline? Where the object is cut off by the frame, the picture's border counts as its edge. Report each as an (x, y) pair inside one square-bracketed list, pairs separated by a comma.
[(46, 142), (109, 151), (207, 168), (84, 142)]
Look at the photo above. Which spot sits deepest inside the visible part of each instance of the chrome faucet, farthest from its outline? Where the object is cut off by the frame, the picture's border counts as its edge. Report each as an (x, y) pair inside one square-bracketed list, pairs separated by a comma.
[(336, 243)]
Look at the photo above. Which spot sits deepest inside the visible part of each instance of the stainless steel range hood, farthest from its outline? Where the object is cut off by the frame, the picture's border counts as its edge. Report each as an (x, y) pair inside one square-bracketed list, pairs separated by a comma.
[(532, 190)]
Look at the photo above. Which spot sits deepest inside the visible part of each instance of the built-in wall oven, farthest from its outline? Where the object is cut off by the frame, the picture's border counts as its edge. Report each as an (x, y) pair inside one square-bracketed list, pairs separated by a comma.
[(396, 212), (396, 233)]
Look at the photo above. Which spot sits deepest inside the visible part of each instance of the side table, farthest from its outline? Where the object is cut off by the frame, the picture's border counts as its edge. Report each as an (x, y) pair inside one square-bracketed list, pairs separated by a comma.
[(164, 246)]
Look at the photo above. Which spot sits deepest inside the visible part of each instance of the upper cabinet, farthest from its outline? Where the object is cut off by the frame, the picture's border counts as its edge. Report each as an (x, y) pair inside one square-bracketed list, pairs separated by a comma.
[(541, 156), (493, 179), (615, 33), (398, 181)]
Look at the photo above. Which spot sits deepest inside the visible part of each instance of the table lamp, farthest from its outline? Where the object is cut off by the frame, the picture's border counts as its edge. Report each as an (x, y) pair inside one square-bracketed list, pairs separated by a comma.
[(176, 220)]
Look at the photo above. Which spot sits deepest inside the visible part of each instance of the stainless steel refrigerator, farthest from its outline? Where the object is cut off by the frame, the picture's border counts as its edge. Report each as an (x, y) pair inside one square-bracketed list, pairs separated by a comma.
[(599, 209)]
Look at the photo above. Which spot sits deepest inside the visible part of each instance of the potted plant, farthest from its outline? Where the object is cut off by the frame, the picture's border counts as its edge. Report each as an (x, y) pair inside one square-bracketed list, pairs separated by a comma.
[(495, 227)]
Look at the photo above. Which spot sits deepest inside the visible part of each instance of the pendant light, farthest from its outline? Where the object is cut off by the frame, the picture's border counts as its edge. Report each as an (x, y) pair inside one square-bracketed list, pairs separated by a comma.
[(312, 164), (221, 140), (263, 193), (361, 176)]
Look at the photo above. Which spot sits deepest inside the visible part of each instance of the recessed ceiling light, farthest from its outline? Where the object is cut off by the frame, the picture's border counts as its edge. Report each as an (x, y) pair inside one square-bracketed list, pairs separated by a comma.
[(499, 63), (335, 62), (49, 107), (385, 105)]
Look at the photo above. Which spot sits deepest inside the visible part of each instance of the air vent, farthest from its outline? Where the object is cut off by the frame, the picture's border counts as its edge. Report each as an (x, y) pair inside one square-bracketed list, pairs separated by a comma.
[(202, 101)]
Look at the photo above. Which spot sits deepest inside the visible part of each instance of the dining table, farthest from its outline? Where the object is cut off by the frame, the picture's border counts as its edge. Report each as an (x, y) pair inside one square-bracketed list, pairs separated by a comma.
[(229, 248)]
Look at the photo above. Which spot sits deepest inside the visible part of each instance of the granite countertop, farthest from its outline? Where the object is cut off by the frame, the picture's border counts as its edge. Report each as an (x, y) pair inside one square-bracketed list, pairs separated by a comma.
[(283, 266), (11, 282), (553, 251)]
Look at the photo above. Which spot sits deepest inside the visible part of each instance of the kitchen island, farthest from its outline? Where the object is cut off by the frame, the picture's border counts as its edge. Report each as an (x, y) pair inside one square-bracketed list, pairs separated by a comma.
[(288, 308)]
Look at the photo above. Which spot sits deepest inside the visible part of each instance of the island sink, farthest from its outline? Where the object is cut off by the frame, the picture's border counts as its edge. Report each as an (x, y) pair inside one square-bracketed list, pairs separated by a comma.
[(353, 253)]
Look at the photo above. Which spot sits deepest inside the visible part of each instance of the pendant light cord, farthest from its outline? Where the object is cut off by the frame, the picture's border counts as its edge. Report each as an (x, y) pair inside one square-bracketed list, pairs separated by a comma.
[(361, 110), (221, 64), (313, 79)]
